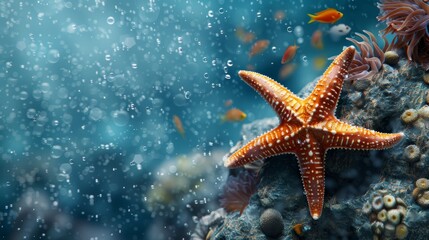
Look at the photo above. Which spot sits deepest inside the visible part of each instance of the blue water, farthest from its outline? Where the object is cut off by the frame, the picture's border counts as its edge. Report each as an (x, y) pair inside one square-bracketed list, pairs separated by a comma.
[(88, 91)]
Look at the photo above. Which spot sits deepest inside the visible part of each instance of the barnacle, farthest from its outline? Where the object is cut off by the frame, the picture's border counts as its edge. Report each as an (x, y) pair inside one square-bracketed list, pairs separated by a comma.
[(370, 58), (387, 214), (408, 21), (238, 190)]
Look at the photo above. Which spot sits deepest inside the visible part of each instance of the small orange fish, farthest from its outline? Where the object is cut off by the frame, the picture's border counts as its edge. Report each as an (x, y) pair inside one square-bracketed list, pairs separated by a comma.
[(287, 70), (234, 115), (297, 228), (289, 53), (317, 40), (258, 47), (228, 103), (279, 15), (244, 36), (179, 126), (329, 15), (300, 229)]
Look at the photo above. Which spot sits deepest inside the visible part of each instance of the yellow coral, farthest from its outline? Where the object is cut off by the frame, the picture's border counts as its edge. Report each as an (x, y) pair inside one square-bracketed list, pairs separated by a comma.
[(401, 231), (409, 116)]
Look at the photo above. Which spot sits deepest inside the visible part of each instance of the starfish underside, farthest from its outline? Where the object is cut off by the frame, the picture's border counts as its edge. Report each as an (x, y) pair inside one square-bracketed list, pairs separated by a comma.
[(308, 128)]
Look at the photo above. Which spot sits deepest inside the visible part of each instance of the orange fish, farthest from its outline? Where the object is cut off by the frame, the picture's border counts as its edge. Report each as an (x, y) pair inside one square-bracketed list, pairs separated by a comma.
[(287, 70), (234, 115), (289, 53), (179, 126), (297, 228), (244, 36), (300, 229), (329, 15), (258, 47), (228, 103), (317, 40), (279, 15)]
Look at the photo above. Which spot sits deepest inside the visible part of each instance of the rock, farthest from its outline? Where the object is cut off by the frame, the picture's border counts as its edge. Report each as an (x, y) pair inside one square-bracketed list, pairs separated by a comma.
[(271, 222), (391, 58), (383, 102)]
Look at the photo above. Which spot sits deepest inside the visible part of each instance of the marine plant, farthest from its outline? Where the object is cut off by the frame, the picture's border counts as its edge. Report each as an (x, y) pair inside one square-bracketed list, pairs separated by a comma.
[(408, 21), (238, 190), (368, 61)]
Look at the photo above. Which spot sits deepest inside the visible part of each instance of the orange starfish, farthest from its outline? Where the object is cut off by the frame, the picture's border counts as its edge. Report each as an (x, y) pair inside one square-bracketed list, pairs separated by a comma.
[(308, 128)]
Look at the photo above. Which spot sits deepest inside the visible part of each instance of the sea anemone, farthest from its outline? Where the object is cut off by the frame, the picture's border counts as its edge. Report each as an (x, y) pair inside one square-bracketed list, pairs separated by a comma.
[(238, 190), (408, 21), (370, 58)]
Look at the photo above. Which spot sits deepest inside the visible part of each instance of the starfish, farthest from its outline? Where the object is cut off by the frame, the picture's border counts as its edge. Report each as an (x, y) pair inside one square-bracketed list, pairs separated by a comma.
[(308, 128)]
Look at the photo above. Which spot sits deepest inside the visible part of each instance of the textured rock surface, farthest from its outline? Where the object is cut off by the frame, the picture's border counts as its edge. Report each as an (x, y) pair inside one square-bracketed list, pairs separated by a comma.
[(352, 177)]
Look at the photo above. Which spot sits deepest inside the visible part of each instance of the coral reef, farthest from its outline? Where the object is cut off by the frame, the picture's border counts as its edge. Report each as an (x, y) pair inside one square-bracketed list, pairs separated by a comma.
[(194, 181), (352, 178), (386, 214), (409, 116), (408, 20), (421, 192), (205, 225)]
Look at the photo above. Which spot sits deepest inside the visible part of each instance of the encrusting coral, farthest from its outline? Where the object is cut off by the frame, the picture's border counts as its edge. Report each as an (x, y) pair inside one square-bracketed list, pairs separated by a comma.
[(409, 115), (387, 214), (408, 20), (421, 192)]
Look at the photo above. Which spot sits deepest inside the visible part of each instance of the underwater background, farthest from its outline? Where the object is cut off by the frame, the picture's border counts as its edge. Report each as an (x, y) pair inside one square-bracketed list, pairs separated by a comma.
[(89, 91)]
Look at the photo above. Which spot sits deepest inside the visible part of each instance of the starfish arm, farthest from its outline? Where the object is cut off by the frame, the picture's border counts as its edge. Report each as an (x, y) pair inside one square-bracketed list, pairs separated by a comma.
[(311, 159), (283, 101), (336, 134), (324, 98), (274, 142)]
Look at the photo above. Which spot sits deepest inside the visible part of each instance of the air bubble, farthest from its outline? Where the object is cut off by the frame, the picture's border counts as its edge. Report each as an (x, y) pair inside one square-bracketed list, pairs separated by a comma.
[(274, 49), (95, 114), (187, 94), (120, 118), (110, 20), (179, 100), (298, 31), (56, 151), (304, 58), (53, 56)]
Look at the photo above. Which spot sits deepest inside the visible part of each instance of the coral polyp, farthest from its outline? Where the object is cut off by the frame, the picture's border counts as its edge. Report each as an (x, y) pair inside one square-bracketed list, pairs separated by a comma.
[(408, 21)]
